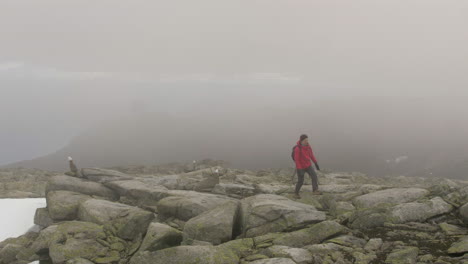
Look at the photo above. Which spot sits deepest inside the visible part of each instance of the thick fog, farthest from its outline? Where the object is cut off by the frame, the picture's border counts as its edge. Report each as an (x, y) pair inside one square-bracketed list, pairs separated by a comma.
[(379, 87)]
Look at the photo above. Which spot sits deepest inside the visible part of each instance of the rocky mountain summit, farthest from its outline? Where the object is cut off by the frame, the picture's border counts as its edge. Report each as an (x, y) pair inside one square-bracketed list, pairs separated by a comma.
[(23, 183), (210, 214)]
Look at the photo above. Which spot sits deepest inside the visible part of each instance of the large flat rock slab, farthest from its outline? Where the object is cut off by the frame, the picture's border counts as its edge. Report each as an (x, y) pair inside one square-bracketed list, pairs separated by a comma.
[(9, 252), (185, 205), (160, 236), (128, 221), (215, 226), (104, 175), (63, 205), (234, 190), (420, 211), (298, 255), (71, 240), (186, 255), (459, 197), (459, 247), (76, 239), (404, 255), (266, 213), (402, 213), (274, 261), (389, 196), (370, 218), (139, 189), (464, 213), (139, 193), (337, 188), (73, 184), (200, 180), (42, 217), (315, 234)]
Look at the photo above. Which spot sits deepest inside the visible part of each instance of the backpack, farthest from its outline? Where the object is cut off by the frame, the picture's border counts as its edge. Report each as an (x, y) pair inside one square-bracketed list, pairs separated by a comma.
[(292, 153)]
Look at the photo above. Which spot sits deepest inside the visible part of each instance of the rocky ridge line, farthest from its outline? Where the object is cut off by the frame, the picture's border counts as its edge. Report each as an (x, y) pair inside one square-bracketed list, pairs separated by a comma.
[(219, 215)]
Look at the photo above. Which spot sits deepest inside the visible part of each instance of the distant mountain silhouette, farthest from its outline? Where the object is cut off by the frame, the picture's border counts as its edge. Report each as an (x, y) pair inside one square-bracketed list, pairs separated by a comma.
[(346, 135)]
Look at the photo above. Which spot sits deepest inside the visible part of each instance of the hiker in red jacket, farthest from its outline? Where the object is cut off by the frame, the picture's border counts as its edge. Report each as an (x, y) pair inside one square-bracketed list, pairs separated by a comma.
[(303, 155)]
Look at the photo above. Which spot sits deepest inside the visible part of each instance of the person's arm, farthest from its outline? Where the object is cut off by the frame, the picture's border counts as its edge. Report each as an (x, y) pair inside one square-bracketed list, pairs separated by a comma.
[(312, 157)]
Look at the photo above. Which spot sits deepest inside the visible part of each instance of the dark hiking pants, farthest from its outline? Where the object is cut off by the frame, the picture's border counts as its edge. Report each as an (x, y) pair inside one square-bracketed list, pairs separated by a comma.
[(300, 178)]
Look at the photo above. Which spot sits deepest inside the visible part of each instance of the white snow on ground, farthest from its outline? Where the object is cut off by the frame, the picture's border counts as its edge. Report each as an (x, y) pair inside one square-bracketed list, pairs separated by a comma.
[(17, 216)]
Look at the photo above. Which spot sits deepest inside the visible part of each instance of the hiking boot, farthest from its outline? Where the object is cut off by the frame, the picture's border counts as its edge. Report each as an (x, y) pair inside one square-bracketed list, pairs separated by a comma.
[(297, 196), (317, 192)]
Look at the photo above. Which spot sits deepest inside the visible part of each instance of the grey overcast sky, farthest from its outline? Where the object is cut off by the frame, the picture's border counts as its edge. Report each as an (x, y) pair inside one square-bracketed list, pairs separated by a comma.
[(399, 45), (67, 64)]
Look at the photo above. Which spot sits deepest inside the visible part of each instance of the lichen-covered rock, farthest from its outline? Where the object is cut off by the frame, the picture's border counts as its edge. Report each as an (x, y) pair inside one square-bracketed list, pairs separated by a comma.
[(160, 236), (348, 241), (464, 213), (340, 208), (311, 235), (272, 188), (420, 211), (459, 247), (23, 182), (23, 240), (186, 255), (200, 180), (298, 255), (407, 212), (441, 189), (185, 205), (328, 252), (407, 255), (458, 198), (73, 184), (255, 257), (172, 168), (77, 242), (104, 175), (452, 230), (9, 252), (216, 226), (63, 205), (79, 261), (139, 193), (234, 190), (269, 228), (273, 261), (42, 242), (368, 188), (205, 180), (428, 258), (361, 258), (338, 188), (86, 248), (266, 213), (27, 255), (244, 246), (42, 217), (389, 196), (76, 239), (128, 221), (370, 217), (373, 244)]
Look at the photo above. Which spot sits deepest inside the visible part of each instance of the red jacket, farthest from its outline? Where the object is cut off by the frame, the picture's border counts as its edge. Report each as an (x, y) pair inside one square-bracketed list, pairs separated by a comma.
[(303, 155)]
